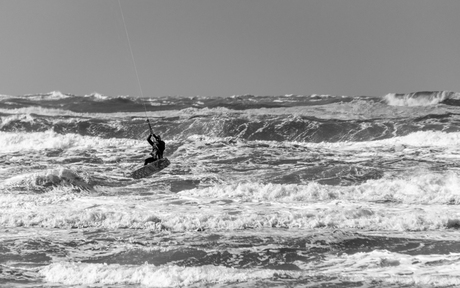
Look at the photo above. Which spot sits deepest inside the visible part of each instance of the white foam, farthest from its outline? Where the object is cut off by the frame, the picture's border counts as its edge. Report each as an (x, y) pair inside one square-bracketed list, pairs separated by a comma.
[(415, 139), (378, 265), (53, 95), (419, 98), (387, 267), (39, 111), (97, 96), (12, 141), (187, 213), (57, 95), (429, 188), (47, 178), (27, 118), (148, 275), (427, 138), (4, 96)]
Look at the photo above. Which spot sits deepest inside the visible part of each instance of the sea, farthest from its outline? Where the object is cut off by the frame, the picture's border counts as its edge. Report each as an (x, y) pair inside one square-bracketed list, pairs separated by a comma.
[(262, 191)]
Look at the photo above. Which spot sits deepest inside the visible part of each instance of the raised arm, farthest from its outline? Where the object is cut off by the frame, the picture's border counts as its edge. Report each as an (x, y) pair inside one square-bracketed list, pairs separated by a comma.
[(149, 139)]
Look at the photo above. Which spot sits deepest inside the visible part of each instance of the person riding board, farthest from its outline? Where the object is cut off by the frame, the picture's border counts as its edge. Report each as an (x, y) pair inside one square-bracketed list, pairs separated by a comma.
[(158, 147)]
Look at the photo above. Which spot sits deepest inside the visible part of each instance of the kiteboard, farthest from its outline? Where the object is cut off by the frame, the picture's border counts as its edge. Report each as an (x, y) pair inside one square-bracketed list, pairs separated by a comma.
[(151, 168)]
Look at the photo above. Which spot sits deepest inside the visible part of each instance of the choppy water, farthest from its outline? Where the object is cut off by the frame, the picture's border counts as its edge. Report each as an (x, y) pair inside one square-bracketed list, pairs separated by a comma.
[(262, 191)]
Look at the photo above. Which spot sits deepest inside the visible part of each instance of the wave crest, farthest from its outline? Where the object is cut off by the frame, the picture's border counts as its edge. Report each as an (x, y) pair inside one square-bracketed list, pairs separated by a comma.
[(10, 141), (423, 189), (422, 98), (148, 275), (48, 179)]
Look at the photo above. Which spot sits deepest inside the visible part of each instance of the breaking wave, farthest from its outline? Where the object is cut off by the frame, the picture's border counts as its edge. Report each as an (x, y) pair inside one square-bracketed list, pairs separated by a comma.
[(49, 179), (242, 126), (149, 275), (423, 189), (97, 103), (10, 141), (423, 98)]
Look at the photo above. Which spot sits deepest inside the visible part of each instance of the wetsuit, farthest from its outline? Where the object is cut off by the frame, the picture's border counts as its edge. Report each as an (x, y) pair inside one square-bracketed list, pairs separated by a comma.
[(158, 147)]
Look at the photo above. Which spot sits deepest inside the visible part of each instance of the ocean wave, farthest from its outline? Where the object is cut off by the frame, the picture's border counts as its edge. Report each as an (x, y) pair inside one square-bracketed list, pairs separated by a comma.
[(425, 139), (6, 121), (189, 214), (36, 141), (424, 189), (97, 103), (149, 275), (382, 266), (415, 204), (387, 268), (53, 95), (98, 96), (39, 111), (10, 141), (93, 103), (222, 122), (307, 129), (40, 181), (282, 118), (423, 98)]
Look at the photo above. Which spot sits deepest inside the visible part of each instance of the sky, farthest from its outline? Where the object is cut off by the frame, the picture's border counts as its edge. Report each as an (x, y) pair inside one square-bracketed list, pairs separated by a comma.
[(229, 47)]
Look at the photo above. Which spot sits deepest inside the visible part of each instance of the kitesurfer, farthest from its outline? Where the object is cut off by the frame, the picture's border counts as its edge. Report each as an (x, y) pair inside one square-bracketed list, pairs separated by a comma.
[(158, 147)]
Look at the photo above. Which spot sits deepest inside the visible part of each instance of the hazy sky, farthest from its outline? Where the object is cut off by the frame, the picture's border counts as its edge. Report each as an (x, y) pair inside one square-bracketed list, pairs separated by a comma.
[(227, 47)]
